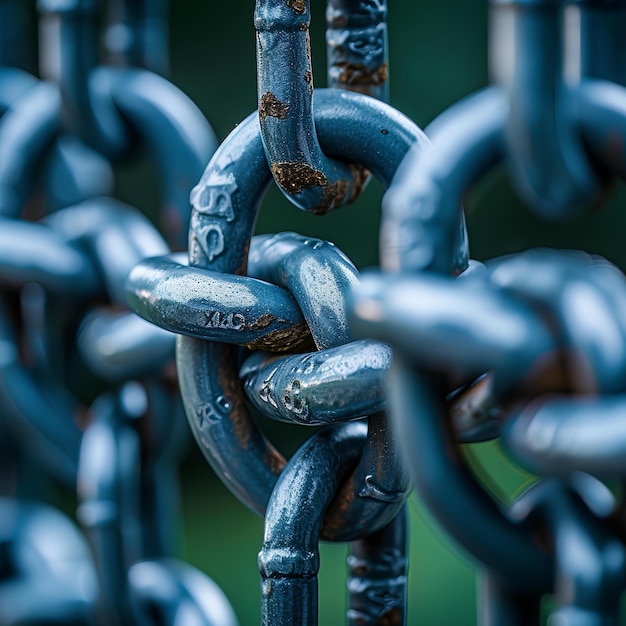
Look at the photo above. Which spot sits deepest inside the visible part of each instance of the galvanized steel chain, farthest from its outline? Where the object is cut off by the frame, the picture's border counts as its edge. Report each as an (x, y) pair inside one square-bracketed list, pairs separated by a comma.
[(347, 482), (70, 267), (539, 333)]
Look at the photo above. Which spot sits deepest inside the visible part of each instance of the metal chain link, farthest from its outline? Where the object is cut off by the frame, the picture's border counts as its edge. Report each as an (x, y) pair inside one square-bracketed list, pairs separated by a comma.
[(545, 325), (317, 276), (103, 103)]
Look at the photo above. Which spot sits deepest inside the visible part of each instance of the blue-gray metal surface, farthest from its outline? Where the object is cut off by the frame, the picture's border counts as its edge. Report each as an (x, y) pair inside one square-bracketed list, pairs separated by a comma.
[(356, 47), (124, 448), (317, 388), (136, 34), (544, 148), (289, 558), (204, 304), (225, 205), (306, 175), (128, 513), (46, 570), (102, 104), (544, 325)]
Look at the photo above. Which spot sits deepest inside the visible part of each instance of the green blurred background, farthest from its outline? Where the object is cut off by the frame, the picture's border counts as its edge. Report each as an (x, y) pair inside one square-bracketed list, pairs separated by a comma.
[(438, 54)]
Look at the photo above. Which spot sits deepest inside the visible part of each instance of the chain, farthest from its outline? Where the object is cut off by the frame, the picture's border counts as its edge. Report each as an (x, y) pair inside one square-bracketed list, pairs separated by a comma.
[(122, 448), (528, 349), (547, 157), (531, 320), (214, 405), (356, 38), (285, 100), (361, 490), (102, 102), (137, 34)]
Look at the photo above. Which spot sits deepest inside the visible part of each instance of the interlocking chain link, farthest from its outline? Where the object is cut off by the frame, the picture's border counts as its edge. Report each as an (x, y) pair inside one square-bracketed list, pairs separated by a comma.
[(356, 38), (219, 240), (70, 266), (540, 323), (103, 103), (285, 99), (318, 276)]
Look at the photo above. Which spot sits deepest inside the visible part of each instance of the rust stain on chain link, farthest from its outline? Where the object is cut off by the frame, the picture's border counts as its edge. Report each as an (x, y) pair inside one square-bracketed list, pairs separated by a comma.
[(294, 176), (334, 520), (263, 322), (274, 462), (392, 617), (333, 197), (355, 74), (284, 340), (297, 5), (271, 106), (360, 174), (234, 395)]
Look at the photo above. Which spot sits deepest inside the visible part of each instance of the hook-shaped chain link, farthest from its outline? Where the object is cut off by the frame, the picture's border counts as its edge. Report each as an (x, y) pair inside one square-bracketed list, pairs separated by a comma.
[(308, 177)]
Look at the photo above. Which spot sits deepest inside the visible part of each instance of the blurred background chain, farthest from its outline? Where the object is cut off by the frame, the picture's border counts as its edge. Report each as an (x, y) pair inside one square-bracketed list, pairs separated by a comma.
[(540, 331), (107, 431)]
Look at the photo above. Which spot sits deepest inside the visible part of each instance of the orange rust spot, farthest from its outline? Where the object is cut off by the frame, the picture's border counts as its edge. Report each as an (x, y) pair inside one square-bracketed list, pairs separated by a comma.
[(262, 322), (355, 74), (294, 176), (360, 174), (334, 196), (391, 617), (342, 504), (274, 460), (233, 392), (286, 340), (298, 6), (308, 79), (271, 106), (243, 425)]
